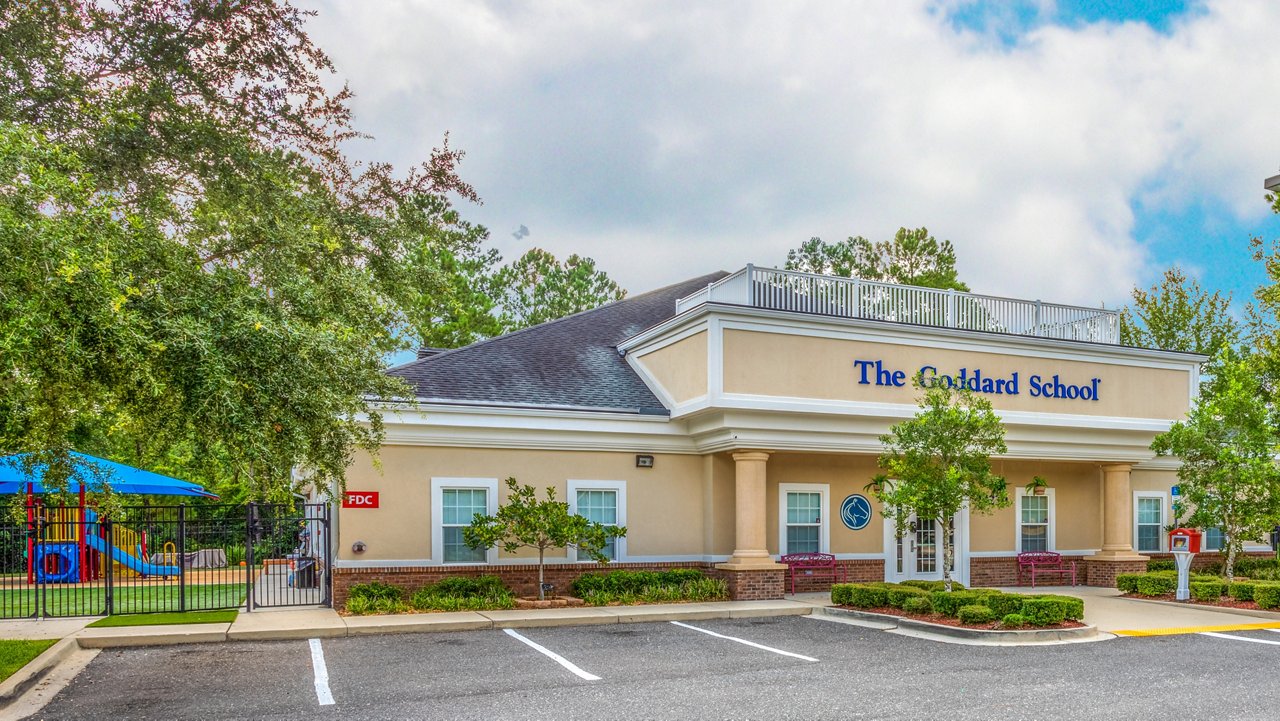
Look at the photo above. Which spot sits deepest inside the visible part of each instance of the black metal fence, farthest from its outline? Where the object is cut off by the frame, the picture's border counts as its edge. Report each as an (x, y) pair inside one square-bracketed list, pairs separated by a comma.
[(68, 561)]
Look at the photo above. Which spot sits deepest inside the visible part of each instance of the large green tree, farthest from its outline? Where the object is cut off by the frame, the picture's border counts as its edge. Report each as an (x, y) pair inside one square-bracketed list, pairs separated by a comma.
[(196, 275), (939, 462), (1228, 444), (911, 257), (537, 287), (1178, 314)]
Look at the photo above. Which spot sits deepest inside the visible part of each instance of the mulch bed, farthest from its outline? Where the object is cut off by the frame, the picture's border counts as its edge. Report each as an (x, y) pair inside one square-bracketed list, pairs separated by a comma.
[(951, 621), (1224, 602)]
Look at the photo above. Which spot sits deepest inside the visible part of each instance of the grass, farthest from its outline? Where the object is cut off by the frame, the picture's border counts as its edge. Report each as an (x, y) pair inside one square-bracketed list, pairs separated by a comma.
[(16, 654), (165, 619), (74, 600)]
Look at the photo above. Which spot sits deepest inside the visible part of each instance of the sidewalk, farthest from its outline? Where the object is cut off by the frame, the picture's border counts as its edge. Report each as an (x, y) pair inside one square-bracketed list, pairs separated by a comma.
[(1112, 613), (326, 623)]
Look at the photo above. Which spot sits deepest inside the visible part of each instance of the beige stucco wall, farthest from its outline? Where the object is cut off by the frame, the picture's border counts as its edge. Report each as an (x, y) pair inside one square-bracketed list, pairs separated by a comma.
[(773, 364), (1077, 491), (681, 368), (844, 474), (665, 510)]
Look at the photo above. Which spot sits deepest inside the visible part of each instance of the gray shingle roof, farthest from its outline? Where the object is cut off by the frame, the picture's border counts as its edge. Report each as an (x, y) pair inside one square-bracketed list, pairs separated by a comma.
[(570, 362)]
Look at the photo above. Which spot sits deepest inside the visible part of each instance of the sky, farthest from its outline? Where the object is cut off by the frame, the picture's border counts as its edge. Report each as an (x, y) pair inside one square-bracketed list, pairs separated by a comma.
[(1070, 150)]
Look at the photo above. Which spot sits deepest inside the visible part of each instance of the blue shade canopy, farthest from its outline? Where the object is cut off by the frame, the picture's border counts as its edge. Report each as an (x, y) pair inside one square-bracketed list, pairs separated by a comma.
[(121, 478)]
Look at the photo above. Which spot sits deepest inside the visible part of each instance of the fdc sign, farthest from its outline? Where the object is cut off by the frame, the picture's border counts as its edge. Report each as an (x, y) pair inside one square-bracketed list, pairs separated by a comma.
[(360, 499)]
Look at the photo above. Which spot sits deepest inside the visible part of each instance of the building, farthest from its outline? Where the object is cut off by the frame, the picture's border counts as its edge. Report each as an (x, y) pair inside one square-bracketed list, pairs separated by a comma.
[(731, 418)]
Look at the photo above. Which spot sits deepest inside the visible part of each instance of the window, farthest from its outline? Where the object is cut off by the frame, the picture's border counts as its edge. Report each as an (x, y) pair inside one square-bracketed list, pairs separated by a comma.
[(1034, 516), (803, 518), (1213, 540), (1148, 523), (455, 502), (604, 502)]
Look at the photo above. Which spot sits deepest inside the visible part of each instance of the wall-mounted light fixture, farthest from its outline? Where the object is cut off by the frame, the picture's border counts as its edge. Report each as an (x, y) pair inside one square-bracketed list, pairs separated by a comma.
[(358, 547), (644, 461)]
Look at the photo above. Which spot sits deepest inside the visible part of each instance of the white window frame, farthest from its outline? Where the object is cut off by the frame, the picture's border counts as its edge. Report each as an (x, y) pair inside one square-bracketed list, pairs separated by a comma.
[(1205, 536), (1051, 531), (620, 487), (1164, 518), (824, 523), (438, 486)]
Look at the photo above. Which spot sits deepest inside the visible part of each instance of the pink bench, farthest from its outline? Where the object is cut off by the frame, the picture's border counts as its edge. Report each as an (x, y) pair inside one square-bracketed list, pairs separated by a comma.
[(1041, 563), (823, 563)]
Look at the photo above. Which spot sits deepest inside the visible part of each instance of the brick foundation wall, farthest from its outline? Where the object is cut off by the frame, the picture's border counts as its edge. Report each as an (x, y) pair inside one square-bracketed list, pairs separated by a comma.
[(861, 570), (1103, 573), (522, 578), (985, 571)]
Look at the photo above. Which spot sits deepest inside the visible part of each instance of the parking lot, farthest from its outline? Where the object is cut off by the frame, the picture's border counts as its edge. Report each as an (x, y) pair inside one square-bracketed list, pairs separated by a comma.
[(777, 668)]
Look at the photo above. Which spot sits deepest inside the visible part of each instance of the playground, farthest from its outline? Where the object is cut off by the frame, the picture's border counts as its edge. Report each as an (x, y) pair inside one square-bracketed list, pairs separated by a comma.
[(67, 560)]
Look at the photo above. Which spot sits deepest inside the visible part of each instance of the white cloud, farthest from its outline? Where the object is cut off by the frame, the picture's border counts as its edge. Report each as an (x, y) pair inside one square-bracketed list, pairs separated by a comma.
[(670, 139)]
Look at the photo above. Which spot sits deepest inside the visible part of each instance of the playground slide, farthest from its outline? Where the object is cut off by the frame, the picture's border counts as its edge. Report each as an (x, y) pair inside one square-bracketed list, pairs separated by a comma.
[(130, 562)]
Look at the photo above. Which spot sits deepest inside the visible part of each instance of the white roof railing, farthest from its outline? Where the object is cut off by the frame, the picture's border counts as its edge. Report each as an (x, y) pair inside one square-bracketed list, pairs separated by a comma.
[(797, 292)]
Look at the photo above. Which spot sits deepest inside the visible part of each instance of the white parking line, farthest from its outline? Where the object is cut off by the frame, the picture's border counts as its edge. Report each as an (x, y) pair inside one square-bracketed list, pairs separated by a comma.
[(323, 694), (743, 641), (1240, 638), (553, 656)]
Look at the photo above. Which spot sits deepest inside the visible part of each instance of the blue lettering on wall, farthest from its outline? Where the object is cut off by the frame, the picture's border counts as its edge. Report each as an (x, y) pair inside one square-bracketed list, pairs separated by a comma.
[(874, 372)]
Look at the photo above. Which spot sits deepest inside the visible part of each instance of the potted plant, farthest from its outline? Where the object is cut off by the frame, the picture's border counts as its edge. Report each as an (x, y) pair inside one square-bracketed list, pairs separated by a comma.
[(1037, 486)]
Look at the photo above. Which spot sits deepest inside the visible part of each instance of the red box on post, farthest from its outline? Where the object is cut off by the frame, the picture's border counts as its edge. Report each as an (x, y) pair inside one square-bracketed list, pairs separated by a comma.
[(1185, 539)]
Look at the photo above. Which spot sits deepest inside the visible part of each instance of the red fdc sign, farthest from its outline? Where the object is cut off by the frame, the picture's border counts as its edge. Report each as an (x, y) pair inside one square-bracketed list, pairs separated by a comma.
[(360, 499)]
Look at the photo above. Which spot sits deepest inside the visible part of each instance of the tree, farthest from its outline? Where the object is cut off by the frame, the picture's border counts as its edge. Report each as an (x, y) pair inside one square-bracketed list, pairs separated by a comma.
[(939, 462), (1177, 314), (1228, 477), (249, 278), (526, 522), (537, 288), (912, 257)]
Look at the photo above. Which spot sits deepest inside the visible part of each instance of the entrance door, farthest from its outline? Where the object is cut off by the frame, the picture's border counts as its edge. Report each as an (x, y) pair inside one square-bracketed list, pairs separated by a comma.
[(917, 553)]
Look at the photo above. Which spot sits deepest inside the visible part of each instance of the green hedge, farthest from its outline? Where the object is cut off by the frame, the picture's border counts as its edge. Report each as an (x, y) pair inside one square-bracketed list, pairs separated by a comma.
[(899, 595), (1003, 604), (1267, 595), (948, 604), (1044, 611), (1208, 590), (619, 583), (1241, 590), (974, 613), (1013, 620), (932, 585), (1156, 584), (1128, 582), (917, 604), (1161, 564)]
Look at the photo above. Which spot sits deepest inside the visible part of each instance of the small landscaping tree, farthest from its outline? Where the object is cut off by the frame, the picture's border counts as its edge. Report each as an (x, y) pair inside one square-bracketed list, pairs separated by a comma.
[(940, 461), (1228, 443), (526, 522)]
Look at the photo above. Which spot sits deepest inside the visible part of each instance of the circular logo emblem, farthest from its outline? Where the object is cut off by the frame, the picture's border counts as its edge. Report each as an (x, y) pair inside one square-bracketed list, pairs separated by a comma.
[(855, 512)]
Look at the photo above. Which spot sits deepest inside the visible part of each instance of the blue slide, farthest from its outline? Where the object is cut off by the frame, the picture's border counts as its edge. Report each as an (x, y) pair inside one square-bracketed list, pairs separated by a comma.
[(130, 562)]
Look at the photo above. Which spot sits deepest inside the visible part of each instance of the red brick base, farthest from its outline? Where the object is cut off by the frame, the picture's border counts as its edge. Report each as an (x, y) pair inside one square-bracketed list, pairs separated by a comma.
[(754, 585), (522, 578), (862, 570), (1103, 573), (987, 571)]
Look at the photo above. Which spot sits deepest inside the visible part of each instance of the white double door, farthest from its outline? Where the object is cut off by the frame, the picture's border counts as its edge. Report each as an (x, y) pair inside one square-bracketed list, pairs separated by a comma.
[(917, 553)]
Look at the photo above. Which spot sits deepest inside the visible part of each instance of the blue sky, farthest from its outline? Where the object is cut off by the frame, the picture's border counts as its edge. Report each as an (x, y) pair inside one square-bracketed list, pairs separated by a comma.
[(1070, 150)]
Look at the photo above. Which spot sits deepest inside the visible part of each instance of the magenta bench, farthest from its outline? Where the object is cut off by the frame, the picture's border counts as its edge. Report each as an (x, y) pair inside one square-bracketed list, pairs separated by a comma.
[(1044, 563), (811, 563)]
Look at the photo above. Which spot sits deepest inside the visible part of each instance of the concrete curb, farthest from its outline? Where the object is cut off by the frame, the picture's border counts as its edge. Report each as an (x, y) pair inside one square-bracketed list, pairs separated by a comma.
[(1052, 635), (261, 628), (27, 676)]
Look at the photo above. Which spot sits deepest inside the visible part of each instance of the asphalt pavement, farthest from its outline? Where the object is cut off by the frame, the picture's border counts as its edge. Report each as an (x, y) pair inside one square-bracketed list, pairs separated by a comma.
[(767, 668)]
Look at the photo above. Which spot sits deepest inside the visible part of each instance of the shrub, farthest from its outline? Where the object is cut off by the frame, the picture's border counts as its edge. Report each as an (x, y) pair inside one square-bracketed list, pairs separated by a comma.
[(841, 593), (899, 595), (973, 613), (1014, 620), (948, 604), (1128, 582), (1161, 564), (364, 605), (1208, 590), (865, 595), (1241, 590), (631, 582), (1267, 595), (464, 593), (1044, 611), (376, 590), (1157, 584), (1073, 608), (917, 604), (1003, 604), (932, 585)]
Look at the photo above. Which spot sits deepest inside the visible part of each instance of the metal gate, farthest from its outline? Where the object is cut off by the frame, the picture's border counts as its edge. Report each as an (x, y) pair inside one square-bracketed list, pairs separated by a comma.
[(290, 545), (67, 561)]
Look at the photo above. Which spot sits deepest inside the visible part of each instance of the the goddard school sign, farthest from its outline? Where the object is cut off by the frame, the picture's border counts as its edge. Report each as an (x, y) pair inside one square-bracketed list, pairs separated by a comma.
[(873, 372)]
